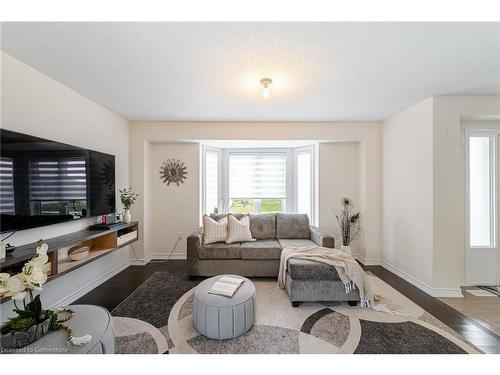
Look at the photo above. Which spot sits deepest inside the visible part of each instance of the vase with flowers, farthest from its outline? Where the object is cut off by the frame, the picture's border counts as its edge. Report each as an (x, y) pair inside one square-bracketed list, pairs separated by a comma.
[(127, 197), (349, 222), (32, 321)]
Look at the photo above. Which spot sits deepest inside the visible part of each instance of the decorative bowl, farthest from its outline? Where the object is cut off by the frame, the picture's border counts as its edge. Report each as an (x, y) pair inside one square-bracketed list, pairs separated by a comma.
[(78, 252)]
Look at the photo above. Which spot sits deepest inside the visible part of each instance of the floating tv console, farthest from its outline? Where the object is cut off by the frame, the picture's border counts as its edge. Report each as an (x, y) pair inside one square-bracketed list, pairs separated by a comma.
[(100, 243)]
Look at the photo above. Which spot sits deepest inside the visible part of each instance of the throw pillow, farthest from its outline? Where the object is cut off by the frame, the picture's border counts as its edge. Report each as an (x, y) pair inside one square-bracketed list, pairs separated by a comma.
[(214, 231), (238, 230)]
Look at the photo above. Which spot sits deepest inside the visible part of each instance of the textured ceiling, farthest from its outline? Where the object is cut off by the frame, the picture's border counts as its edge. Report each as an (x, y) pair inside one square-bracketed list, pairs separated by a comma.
[(211, 71)]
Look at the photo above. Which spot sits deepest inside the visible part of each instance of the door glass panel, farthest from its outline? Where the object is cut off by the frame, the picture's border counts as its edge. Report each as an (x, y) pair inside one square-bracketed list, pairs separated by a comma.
[(480, 177)]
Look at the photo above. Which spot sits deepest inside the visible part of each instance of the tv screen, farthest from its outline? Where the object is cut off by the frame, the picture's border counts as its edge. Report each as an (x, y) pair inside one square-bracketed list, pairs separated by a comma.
[(43, 182)]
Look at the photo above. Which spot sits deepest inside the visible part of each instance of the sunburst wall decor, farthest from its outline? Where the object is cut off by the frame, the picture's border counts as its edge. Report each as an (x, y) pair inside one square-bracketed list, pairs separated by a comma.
[(173, 171)]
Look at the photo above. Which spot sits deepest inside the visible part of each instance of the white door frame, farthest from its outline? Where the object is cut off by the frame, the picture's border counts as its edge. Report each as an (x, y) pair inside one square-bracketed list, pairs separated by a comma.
[(494, 135)]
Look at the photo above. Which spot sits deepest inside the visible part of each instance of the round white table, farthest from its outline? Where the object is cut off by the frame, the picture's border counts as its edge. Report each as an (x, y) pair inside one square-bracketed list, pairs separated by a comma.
[(220, 317)]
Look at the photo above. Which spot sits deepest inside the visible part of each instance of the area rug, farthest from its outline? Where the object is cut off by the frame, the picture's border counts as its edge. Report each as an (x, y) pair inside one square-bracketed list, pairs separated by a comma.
[(281, 328), (492, 289), (141, 319)]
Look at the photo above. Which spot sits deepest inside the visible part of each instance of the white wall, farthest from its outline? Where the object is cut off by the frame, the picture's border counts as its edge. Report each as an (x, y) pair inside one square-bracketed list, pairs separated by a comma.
[(35, 104), (449, 182), (424, 159), (408, 191), (146, 136), (338, 177), (174, 209)]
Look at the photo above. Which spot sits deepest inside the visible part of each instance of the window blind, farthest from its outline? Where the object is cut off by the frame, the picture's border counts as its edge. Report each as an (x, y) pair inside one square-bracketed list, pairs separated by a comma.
[(58, 179), (7, 205), (211, 181), (257, 176)]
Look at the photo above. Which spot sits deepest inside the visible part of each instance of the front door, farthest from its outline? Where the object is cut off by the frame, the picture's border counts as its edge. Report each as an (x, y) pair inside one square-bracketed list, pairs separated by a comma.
[(482, 207)]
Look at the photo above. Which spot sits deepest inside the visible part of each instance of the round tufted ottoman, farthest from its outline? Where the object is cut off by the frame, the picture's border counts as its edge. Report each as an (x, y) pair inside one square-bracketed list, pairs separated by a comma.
[(93, 320), (220, 317)]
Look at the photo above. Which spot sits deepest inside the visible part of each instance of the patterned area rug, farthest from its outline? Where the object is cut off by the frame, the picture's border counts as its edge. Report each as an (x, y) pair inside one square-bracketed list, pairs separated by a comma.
[(157, 317)]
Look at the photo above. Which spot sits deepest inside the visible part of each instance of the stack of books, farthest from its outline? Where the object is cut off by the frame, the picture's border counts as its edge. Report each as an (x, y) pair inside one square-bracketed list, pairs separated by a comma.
[(226, 286)]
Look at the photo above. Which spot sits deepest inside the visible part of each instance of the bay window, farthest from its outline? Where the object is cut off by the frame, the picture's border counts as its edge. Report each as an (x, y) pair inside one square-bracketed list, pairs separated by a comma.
[(269, 180), (257, 182)]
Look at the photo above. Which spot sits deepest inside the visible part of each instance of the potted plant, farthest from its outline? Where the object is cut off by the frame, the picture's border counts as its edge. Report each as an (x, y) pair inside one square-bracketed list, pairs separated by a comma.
[(127, 197), (31, 322), (349, 222)]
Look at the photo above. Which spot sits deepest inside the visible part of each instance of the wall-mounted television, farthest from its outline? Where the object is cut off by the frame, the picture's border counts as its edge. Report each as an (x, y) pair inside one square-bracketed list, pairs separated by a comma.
[(44, 182)]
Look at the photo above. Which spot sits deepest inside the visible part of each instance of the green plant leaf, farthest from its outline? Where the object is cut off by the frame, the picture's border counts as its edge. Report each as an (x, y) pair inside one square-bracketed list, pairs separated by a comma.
[(17, 324), (35, 307), (24, 313)]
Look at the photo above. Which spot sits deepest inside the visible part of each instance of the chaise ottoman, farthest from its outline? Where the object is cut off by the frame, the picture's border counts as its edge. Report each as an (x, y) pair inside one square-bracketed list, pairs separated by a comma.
[(308, 280)]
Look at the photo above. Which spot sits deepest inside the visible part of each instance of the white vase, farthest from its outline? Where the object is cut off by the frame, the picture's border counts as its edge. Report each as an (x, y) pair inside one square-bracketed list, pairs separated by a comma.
[(127, 218), (346, 249)]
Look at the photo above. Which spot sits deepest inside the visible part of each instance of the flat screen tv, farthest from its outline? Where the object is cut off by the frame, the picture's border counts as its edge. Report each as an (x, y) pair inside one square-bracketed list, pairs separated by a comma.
[(44, 182)]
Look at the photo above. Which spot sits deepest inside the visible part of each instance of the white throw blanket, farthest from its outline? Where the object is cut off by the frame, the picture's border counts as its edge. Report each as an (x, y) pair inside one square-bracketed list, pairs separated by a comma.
[(350, 272)]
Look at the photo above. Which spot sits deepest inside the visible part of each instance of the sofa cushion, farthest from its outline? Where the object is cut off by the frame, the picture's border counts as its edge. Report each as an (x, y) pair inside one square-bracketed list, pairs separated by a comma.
[(220, 251), (214, 231), (295, 243), (261, 249), (301, 269), (292, 226), (238, 230), (263, 226)]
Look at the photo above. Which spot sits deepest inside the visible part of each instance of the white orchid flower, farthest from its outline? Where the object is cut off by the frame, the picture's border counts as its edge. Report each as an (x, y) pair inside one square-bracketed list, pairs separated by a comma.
[(34, 265), (78, 341), (42, 249), (37, 277), (32, 276), (19, 296), (40, 260), (14, 286)]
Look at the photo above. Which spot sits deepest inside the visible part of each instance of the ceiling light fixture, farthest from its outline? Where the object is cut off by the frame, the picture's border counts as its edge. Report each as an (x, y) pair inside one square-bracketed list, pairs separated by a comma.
[(266, 82)]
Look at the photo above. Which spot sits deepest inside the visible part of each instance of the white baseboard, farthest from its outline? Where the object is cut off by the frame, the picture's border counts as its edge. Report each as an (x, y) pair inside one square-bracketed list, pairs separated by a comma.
[(368, 262), (174, 256), (434, 292), (92, 285), (161, 256)]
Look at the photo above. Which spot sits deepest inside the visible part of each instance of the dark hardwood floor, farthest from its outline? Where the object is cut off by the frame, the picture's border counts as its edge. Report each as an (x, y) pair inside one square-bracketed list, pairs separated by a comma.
[(119, 287)]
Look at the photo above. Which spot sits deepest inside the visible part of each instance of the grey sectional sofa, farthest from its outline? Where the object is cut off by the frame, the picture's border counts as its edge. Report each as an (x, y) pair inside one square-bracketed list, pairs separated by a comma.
[(305, 280), (259, 258)]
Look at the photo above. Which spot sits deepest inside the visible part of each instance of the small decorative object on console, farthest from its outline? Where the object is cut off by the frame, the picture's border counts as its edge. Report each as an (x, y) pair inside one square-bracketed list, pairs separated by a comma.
[(349, 223), (127, 197), (78, 252), (173, 171)]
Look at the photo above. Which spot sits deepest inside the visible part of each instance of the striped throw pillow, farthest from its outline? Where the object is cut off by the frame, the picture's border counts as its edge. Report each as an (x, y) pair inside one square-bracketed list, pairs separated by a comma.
[(238, 230), (214, 231)]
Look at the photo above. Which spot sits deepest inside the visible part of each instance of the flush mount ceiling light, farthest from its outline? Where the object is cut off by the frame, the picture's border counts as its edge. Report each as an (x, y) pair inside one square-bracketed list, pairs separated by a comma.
[(265, 82)]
